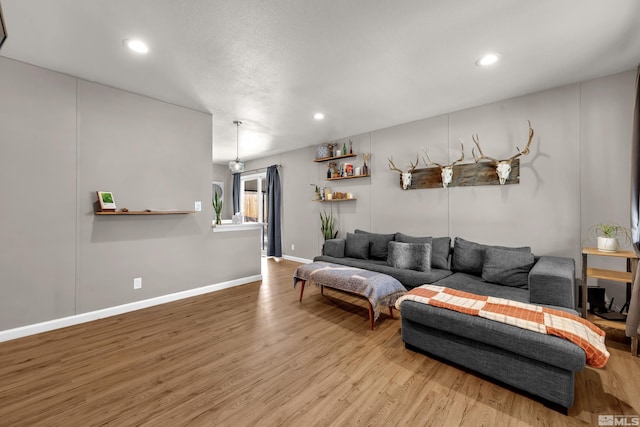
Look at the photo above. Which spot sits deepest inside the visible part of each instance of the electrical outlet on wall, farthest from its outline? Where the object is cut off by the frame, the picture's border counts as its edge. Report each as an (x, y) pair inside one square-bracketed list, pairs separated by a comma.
[(137, 283), (293, 247), (198, 206)]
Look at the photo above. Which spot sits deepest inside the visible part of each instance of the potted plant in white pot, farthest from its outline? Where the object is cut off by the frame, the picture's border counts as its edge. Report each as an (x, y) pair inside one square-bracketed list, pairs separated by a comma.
[(217, 207), (608, 236)]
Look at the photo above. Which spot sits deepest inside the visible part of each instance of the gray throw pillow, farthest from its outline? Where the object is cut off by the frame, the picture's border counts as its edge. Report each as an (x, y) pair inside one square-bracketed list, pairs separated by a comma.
[(440, 247), (334, 248), (356, 246), (508, 268), (468, 257), (413, 256), (378, 244)]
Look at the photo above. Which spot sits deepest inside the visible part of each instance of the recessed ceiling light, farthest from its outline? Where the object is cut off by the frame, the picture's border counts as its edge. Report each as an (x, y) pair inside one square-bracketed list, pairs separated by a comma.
[(318, 116), (487, 60), (136, 45)]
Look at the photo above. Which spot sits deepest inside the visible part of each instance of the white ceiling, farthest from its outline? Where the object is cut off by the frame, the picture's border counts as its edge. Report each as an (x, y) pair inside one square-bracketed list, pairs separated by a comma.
[(367, 64)]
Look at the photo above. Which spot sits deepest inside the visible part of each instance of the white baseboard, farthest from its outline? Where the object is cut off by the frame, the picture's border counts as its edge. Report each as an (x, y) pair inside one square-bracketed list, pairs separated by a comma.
[(36, 328), (296, 259)]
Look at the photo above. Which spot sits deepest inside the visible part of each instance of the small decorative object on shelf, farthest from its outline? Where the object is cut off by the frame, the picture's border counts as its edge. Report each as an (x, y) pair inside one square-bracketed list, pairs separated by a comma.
[(348, 169), (322, 151), (350, 146), (124, 210), (107, 202), (331, 148), (365, 168), (317, 190), (344, 148), (333, 172)]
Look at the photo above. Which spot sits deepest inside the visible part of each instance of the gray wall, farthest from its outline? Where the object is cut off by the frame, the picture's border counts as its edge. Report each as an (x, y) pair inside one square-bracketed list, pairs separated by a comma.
[(61, 140), (576, 175)]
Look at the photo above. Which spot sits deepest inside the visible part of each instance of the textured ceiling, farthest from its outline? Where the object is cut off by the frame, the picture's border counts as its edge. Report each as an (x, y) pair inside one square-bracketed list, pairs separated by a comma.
[(367, 64)]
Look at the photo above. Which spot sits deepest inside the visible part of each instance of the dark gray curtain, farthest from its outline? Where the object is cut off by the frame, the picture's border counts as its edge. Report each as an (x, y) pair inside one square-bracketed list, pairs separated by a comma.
[(236, 193), (633, 317), (274, 196)]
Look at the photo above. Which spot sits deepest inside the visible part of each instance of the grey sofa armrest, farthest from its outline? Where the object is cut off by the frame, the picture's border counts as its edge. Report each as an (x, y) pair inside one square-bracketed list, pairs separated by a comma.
[(552, 281), (334, 248)]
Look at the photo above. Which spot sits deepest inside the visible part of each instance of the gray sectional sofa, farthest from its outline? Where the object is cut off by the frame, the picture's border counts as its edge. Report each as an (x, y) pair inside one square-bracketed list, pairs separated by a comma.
[(542, 365)]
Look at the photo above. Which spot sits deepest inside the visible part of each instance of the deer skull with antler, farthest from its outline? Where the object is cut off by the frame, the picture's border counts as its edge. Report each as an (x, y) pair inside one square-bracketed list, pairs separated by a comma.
[(446, 172), (503, 167), (405, 176)]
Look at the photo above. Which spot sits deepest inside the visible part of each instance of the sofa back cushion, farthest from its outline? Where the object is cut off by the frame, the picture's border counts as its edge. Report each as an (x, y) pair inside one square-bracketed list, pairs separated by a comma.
[(468, 257), (507, 267), (356, 246), (412, 256), (378, 244), (440, 247)]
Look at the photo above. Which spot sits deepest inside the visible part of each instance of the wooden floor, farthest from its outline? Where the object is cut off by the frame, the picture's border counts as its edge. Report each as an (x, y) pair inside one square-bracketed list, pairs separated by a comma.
[(253, 355)]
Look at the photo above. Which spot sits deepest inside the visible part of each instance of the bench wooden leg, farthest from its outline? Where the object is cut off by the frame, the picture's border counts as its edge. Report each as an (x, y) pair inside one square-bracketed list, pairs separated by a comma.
[(302, 289), (371, 316), (391, 311), (321, 289)]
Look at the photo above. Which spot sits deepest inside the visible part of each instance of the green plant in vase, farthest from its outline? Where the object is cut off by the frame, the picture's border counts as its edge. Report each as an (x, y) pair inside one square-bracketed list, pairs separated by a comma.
[(607, 236), (217, 207), (327, 226), (317, 189)]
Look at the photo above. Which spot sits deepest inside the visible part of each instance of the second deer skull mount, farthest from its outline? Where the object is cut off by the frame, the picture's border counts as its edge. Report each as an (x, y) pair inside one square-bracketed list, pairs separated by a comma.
[(404, 176), (446, 171), (503, 167)]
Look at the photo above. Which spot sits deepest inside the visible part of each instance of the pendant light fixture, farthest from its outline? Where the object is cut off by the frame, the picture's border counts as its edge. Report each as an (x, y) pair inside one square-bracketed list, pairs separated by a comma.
[(236, 166)]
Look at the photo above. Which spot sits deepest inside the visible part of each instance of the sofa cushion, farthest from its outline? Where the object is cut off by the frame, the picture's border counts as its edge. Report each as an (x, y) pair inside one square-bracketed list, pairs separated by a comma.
[(334, 248), (468, 257), (508, 268), (414, 256), (440, 247), (378, 244), (356, 246)]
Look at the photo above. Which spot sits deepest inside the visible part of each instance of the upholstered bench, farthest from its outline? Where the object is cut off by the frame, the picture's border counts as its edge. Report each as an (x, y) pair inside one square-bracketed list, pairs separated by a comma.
[(377, 288)]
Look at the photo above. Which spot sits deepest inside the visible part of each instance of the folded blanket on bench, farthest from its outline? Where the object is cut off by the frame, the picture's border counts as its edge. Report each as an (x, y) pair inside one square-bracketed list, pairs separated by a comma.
[(527, 316)]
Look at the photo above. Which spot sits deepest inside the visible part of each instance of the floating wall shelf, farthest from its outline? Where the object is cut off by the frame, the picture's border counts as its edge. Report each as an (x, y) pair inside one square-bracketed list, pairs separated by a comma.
[(346, 177), (145, 213), (334, 200), (344, 156)]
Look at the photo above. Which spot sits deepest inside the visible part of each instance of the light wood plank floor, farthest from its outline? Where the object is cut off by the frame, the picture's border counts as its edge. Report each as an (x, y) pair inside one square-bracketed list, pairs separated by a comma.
[(253, 355)]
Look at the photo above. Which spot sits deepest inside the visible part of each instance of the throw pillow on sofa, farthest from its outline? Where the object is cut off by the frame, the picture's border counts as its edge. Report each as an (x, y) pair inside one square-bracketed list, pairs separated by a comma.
[(440, 247), (378, 244), (356, 246), (468, 257), (507, 267), (334, 248), (413, 256)]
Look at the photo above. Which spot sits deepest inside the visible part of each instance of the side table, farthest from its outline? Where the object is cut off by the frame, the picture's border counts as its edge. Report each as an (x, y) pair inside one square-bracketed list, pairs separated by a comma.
[(613, 275)]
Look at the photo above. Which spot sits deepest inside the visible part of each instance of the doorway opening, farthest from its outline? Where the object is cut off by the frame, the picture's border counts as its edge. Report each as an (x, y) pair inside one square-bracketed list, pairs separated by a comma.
[(253, 202)]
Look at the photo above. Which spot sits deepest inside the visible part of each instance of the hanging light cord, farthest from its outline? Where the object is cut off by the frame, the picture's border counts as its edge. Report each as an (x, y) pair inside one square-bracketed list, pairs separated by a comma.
[(238, 123)]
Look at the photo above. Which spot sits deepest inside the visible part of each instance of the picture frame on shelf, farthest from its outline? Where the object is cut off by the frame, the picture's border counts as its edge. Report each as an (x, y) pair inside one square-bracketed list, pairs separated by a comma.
[(322, 151), (107, 202)]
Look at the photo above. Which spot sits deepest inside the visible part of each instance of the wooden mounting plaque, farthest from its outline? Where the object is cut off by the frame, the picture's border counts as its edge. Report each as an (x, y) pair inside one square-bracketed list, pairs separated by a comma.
[(464, 175)]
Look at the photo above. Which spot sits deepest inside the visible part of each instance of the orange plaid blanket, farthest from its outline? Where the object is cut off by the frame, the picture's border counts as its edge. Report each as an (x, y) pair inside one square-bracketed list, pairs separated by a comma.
[(527, 316)]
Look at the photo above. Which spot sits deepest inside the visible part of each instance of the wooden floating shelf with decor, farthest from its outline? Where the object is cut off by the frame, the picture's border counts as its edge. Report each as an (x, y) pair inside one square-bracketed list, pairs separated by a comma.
[(144, 212), (334, 200), (346, 177), (344, 156)]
